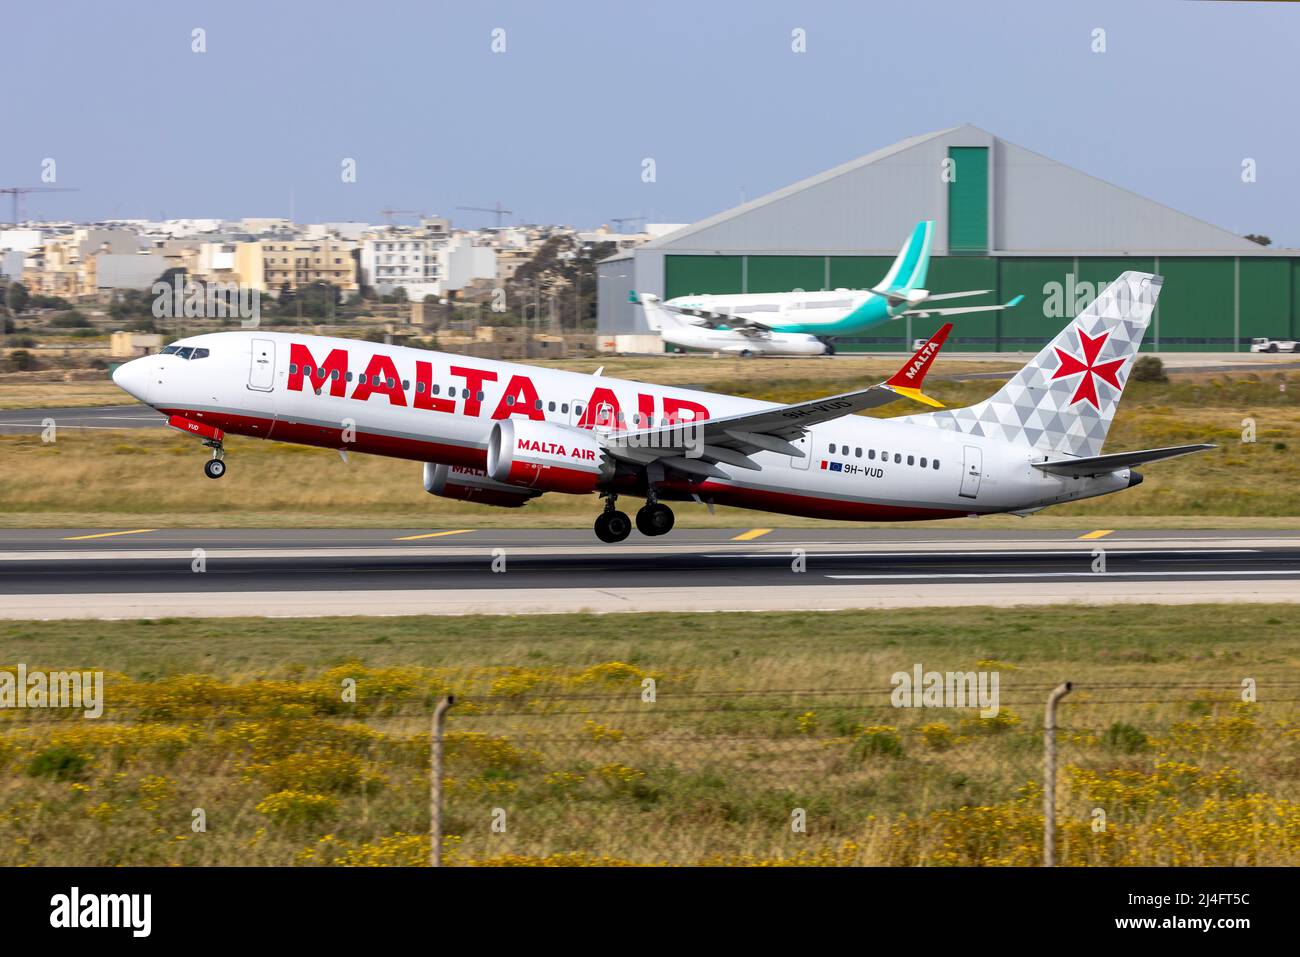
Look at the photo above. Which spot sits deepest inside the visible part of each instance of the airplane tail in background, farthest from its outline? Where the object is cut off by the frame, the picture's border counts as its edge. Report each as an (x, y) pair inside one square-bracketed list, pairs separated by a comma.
[(657, 316), (1064, 399), (913, 262)]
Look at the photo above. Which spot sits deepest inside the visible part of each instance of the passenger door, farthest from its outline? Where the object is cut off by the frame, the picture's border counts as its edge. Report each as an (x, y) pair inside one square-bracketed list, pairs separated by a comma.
[(261, 373), (972, 466)]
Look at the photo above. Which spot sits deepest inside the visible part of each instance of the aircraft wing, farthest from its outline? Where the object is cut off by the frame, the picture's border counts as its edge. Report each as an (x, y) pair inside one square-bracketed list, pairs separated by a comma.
[(732, 439), (1102, 464), (718, 320), (958, 310)]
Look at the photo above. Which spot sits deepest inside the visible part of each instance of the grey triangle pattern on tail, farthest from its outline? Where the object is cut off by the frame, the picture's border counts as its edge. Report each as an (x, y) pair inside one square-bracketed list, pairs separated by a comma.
[(1044, 405)]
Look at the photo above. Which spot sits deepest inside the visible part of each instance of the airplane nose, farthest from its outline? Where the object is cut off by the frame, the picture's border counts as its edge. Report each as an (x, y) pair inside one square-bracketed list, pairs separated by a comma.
[(133, 377)]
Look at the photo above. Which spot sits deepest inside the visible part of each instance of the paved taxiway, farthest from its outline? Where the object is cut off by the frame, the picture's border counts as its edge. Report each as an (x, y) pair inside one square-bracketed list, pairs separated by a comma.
[(131, 572)]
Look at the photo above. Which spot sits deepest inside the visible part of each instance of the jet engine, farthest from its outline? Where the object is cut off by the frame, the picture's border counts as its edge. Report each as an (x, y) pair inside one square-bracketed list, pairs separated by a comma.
[(546, 457), (472, 485)]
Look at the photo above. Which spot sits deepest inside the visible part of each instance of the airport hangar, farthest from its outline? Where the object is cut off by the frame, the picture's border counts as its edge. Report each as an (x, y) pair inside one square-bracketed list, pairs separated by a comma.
[(1007, 219)]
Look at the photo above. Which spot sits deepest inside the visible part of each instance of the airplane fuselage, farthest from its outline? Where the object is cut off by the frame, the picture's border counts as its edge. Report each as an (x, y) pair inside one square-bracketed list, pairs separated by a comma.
[(437, 407), (825, 313)]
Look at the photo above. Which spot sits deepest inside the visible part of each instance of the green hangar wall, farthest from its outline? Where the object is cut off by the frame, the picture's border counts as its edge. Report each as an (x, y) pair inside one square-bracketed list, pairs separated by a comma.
[(1007, 220), (1208, 303)]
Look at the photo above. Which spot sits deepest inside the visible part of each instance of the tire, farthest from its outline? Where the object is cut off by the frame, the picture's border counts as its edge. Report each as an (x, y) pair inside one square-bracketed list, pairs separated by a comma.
[(654, 520), (1272, 347), (830, 349), (746, 354), (613, 527), (214, 468)]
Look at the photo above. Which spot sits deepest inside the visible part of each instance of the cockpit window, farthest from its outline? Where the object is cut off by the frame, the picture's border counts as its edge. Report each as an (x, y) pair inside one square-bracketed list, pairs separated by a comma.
[(184, 352), (200, 354), (170, 350)]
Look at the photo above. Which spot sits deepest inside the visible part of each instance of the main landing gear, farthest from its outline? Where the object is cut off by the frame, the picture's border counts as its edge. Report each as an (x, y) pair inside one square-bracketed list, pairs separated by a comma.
[(654, 518), (215, 467), (611, 524)]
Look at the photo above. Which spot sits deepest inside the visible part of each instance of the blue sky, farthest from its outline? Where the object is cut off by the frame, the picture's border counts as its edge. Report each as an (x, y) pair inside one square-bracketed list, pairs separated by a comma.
[(557, 126)]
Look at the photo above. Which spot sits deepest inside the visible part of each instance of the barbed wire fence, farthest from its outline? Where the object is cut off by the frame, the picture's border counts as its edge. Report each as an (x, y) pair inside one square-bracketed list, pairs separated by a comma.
[(1146, 773)]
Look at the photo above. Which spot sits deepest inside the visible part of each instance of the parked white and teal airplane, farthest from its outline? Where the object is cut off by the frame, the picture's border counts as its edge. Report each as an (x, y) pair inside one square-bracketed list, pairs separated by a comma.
[(828, 314)]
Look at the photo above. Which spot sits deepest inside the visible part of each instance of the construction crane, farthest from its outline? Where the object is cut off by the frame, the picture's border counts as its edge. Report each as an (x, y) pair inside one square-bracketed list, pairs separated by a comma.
[(18, 191), (499, 211)]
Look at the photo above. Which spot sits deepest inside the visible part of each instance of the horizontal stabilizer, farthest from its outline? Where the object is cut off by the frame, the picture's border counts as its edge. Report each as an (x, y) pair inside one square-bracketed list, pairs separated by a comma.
[(1102, 464)]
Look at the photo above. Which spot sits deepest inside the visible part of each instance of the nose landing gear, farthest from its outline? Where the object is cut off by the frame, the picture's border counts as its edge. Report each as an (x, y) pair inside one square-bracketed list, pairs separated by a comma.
[(215, 467)]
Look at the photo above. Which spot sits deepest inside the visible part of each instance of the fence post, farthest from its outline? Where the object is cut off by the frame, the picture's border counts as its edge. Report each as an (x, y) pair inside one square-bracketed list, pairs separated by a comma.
[(1049, 773), (435, 781)]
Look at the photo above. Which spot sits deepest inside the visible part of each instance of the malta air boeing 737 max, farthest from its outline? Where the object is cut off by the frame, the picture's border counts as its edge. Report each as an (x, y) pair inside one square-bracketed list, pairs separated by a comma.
[(822, 315), (502, 433)]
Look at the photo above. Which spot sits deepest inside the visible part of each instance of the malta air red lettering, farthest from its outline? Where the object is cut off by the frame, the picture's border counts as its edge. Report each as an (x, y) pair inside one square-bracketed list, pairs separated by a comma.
[(424, 397), (602, 409), (557, 450), (301, 361), (474, 379), (524, 393), (380, 378), (673, 409)]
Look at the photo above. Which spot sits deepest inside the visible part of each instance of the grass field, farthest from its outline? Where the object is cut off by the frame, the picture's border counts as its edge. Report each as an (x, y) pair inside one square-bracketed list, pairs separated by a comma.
[(111, 479), (552, 737)]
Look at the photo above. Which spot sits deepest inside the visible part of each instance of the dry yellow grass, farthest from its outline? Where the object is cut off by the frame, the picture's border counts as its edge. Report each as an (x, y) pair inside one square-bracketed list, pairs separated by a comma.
[(247, 720)]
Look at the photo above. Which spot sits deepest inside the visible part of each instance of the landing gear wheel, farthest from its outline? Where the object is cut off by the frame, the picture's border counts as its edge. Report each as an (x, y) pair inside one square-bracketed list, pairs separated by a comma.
[(613, 526), (830, 348), (214, 468), (656, 519)]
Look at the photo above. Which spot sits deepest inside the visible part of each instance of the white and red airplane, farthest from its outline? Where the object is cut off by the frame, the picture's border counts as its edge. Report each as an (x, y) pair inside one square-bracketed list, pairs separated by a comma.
[(502, 433)]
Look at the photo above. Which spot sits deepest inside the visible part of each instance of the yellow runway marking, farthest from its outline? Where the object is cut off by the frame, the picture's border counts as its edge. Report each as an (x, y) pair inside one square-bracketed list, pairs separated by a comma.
[(1100, 533), (454, 531), (134, 531), (752, 534)]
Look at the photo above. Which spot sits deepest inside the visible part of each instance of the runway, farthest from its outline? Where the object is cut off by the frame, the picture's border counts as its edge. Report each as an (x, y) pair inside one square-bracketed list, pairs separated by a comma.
[(117, 573)]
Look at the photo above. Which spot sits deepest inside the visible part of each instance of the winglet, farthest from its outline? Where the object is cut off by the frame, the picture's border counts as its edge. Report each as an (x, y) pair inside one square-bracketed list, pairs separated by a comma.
[(907, 380)]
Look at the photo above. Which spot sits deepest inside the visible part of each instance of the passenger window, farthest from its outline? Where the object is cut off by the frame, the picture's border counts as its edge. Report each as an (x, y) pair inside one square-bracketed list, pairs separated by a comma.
[(481, 395), (293, 367), (419, 387), (361, 378), (348, 377), (871, 454), (911, 460), (922, 461), (406, 385), (335, 375), (832, 448), (898, 458), (464, 393), (552, 407), (936, 463), (435, 389), (538, 405), (857, 453), (306, 370), (510, 400), (391, 383)]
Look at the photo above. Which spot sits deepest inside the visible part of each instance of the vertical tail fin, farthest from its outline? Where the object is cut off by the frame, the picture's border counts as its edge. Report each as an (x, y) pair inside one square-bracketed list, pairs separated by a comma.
[(912, 263), (657, 317), (1064, 399)]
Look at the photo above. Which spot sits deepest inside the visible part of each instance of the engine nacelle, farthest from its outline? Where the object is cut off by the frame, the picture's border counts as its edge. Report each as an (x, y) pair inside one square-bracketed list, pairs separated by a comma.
[(546, 457), (472, 485)]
